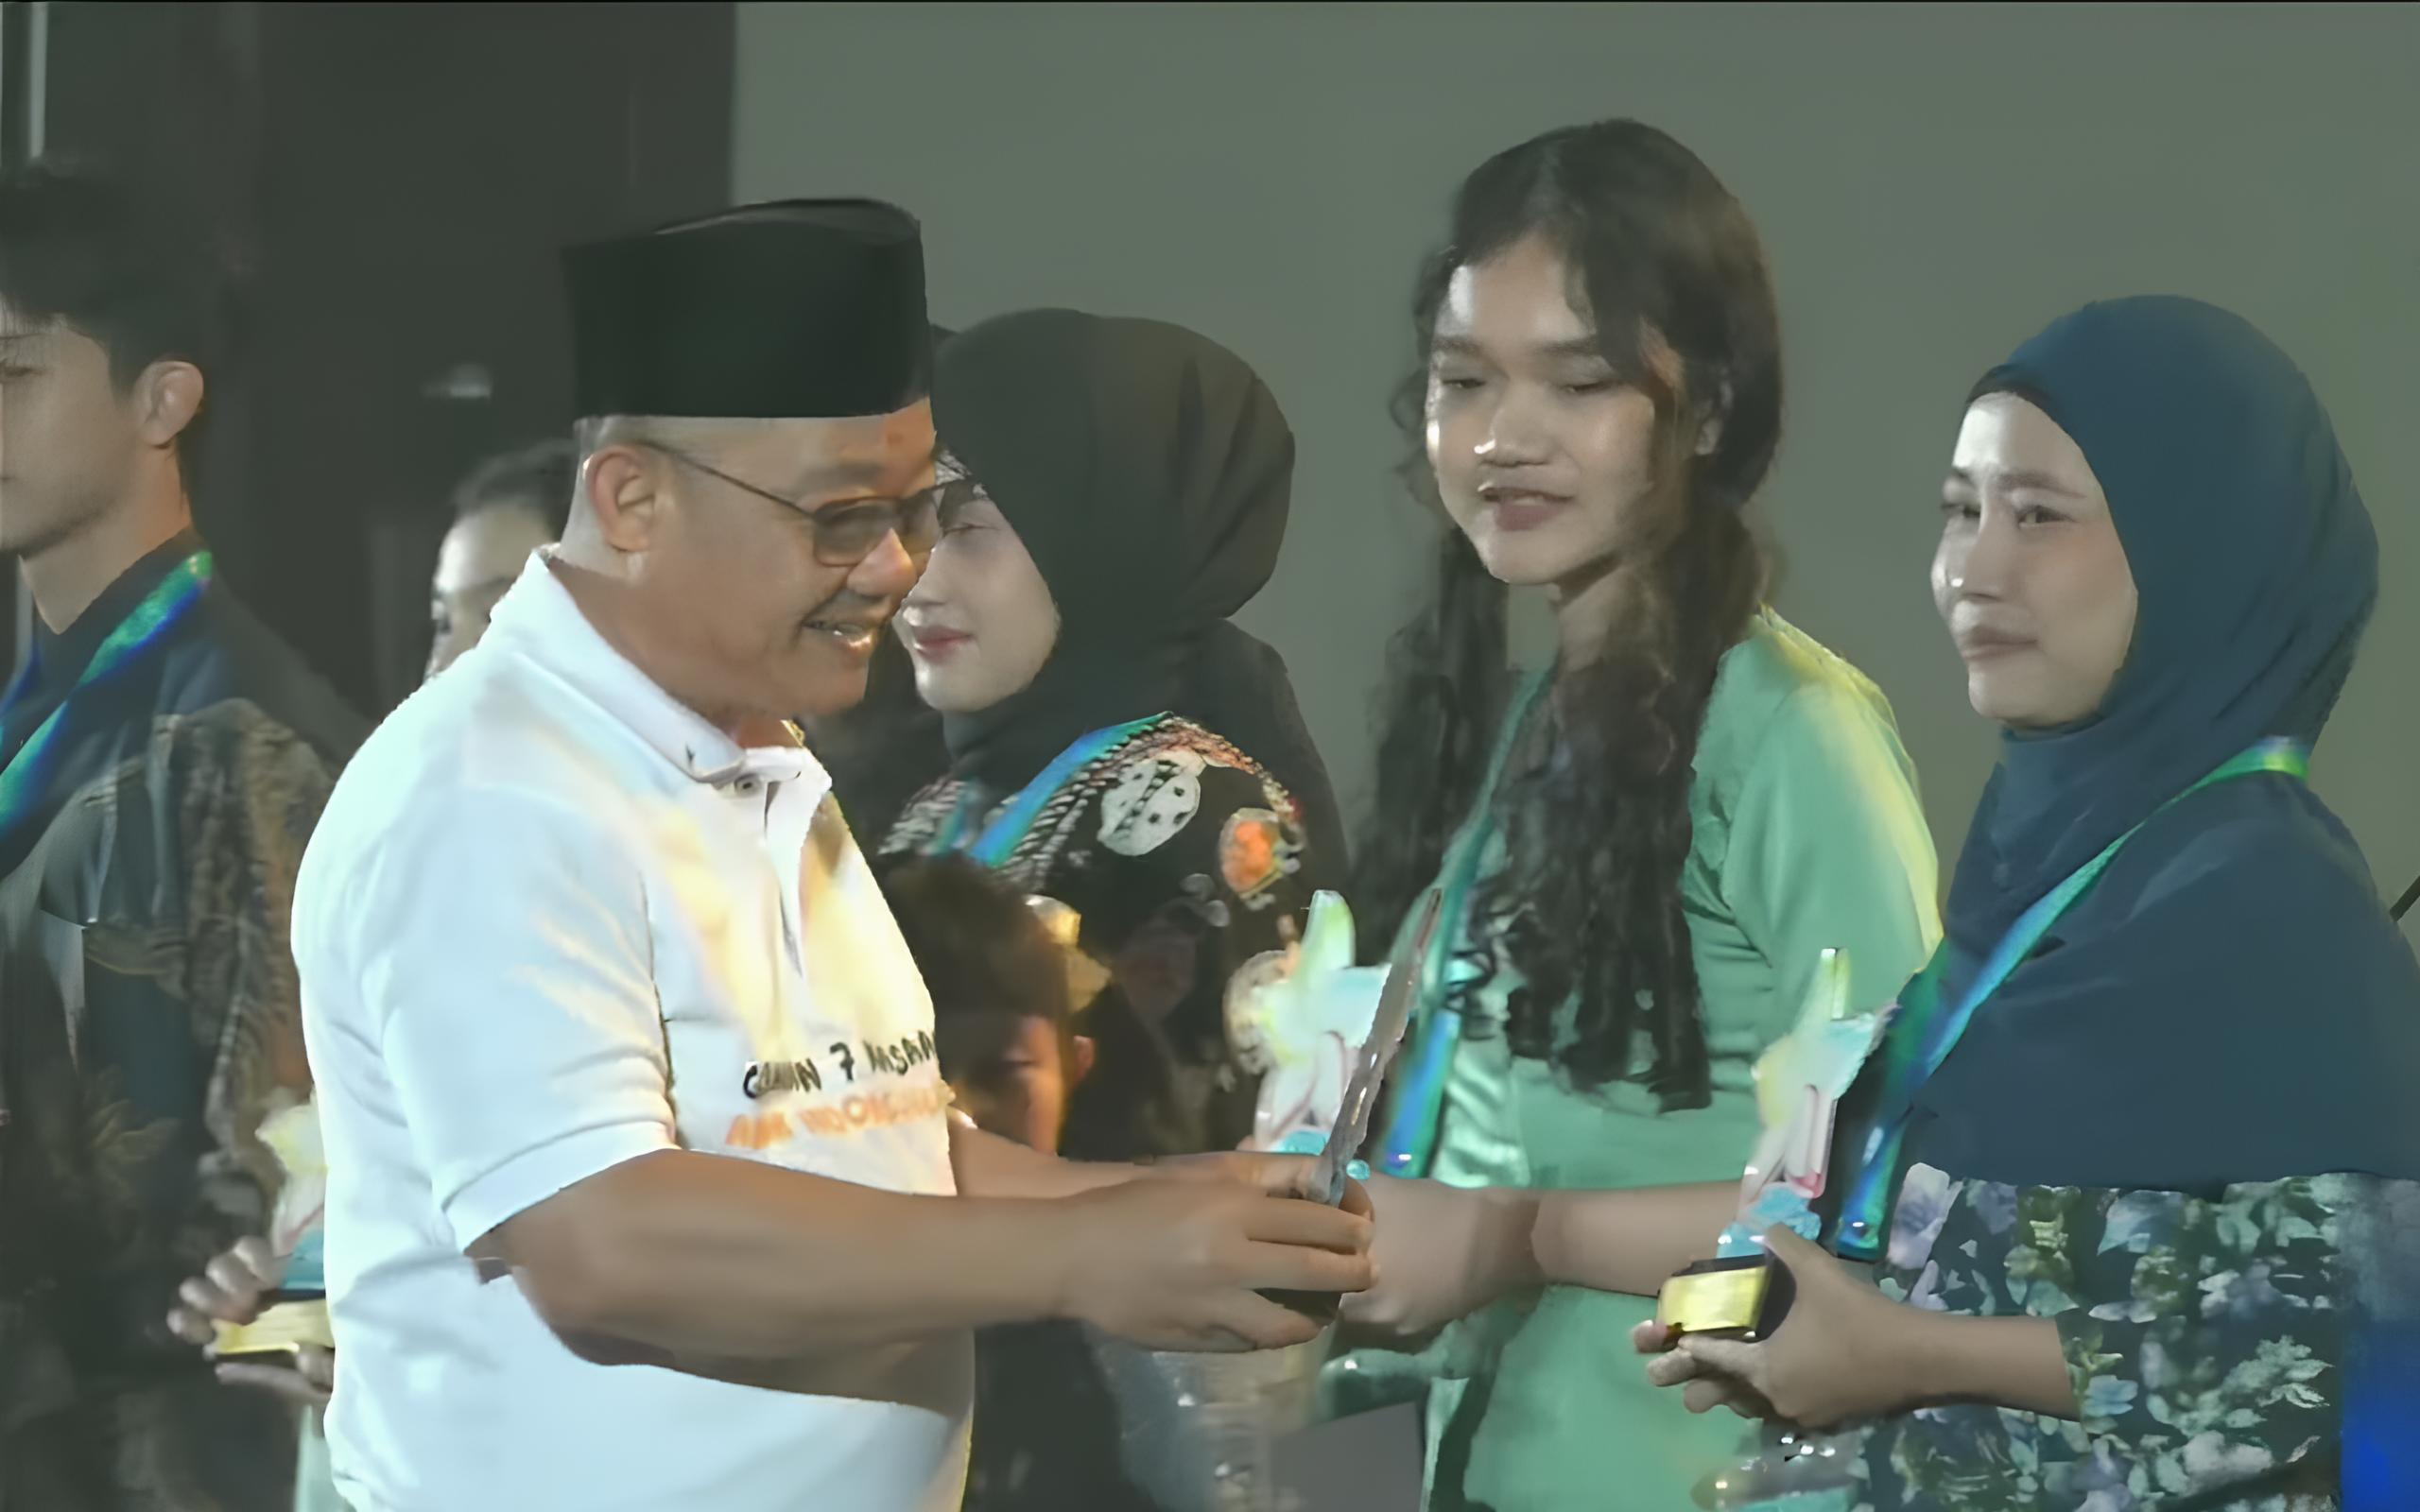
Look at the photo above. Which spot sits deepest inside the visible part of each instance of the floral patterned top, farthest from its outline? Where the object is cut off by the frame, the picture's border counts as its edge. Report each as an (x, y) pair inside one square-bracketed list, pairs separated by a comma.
[(2205, 1336)]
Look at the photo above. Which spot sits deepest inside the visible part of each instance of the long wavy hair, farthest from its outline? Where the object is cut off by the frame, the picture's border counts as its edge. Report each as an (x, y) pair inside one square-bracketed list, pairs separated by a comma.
[(1665, 262)]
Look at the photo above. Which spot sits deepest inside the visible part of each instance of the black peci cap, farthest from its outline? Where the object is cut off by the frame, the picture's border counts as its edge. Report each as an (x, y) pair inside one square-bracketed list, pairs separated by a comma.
[(793, 309)]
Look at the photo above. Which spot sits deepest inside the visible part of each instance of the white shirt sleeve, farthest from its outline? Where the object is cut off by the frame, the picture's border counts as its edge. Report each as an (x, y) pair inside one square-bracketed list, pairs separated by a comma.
[(502, 954)]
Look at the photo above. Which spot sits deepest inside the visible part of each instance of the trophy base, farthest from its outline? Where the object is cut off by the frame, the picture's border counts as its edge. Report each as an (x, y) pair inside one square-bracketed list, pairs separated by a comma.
[(1744, 1297), (1199, 1433)]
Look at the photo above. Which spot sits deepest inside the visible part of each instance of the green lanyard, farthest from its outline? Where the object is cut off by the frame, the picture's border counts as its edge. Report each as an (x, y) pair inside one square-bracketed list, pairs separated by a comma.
[(1924, 1033), (26, 777), (1410, 1140), (998, 839)]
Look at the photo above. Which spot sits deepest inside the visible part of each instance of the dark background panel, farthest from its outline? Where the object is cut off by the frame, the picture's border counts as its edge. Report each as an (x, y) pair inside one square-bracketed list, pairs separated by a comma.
[(391, 183)]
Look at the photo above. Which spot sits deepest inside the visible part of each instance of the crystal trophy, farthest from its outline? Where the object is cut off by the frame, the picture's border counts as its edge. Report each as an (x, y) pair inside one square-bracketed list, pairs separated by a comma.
[(1295, 1017), (1744, 1293), (1199, 1433)]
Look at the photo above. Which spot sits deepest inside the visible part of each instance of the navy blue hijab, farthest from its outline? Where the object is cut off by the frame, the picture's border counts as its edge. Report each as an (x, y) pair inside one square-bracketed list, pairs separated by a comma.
[(2229, 1003)]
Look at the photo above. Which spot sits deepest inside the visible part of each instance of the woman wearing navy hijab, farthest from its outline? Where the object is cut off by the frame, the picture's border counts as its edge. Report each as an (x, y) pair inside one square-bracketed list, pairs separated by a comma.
[(2125, 1153)]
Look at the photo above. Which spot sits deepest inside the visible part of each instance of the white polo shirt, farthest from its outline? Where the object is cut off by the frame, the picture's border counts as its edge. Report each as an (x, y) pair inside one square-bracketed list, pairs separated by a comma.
[(550, 920)]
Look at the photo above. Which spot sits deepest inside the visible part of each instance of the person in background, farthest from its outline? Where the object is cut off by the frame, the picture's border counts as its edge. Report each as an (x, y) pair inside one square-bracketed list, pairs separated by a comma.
[(1114, 743), (644, 1188), (162, 759), (1005, 1014), (1005, 1010), (1645, 847), (508, 507), (235, 1288)]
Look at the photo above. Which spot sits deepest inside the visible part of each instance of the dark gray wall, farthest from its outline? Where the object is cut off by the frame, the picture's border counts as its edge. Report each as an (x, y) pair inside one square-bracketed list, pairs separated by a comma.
[(391, 183), (1933, 182)]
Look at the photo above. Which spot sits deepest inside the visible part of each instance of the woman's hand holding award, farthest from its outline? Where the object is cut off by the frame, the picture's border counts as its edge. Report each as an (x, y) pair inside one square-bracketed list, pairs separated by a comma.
[(1744, 1293)]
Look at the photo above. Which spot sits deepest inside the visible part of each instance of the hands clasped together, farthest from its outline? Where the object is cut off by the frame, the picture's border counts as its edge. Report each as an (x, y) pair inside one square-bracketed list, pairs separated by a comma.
[(1194, 1254)]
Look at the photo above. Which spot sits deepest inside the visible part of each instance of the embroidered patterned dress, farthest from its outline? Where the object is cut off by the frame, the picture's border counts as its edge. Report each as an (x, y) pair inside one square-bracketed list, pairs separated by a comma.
[(1186, 861)]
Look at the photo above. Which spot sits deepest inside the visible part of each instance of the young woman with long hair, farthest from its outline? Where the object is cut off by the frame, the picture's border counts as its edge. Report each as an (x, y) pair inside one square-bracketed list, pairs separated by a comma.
[(1644, 849)]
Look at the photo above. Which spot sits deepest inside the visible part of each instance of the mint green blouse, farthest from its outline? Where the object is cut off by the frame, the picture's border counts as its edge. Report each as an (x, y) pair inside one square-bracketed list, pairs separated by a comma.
[(1808, 835)]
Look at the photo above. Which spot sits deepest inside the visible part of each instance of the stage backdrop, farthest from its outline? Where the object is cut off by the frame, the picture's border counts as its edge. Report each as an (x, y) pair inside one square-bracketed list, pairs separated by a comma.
[(1932, 183)]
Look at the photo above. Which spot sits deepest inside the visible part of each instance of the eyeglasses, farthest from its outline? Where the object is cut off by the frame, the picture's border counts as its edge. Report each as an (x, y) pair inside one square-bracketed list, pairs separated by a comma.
[(847, 534)]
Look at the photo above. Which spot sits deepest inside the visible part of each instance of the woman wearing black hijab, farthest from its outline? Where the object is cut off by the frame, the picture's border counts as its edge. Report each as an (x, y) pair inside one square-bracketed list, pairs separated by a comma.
[(1115, 744)]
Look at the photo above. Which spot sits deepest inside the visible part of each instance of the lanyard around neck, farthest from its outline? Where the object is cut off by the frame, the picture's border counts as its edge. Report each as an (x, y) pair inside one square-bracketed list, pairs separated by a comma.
[(996, 840), (1410, 1142), (1913, 1051), (26, 777)]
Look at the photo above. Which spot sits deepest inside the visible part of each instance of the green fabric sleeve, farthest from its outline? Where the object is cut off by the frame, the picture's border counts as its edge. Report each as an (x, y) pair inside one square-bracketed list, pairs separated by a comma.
[(1828, 847)]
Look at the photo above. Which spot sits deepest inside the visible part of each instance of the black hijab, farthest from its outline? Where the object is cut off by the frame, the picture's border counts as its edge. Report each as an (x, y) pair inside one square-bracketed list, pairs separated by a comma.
[(2229, 1003), (1147, 471)]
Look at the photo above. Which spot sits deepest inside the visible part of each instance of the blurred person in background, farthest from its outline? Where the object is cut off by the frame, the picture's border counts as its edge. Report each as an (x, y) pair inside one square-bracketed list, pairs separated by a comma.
[(508, 506), (162, 759), (1008, 996)]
